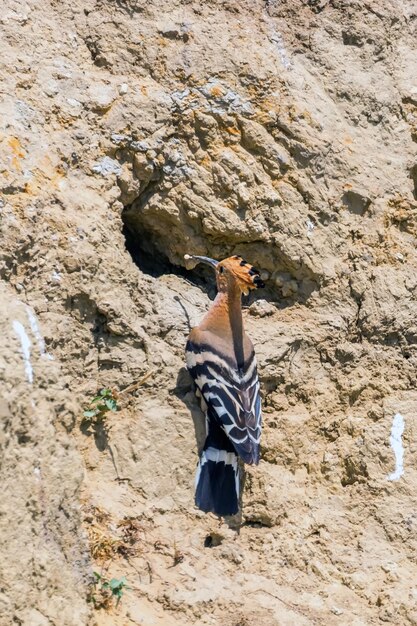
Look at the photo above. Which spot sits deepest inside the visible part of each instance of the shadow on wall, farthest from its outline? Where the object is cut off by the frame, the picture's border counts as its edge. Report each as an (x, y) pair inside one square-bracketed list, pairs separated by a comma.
[(153, 262), (145, 255), (184, 391), (413, 176)]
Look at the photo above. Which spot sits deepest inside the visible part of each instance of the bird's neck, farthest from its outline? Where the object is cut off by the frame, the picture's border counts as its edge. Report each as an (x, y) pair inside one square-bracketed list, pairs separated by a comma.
[(224, 319)]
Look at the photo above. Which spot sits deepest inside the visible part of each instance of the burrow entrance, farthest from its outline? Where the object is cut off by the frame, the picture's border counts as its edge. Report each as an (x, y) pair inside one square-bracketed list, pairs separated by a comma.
[(152, 261)]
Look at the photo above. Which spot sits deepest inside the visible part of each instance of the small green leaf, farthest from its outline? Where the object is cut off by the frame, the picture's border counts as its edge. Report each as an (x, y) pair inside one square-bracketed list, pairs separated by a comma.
[(111, 404), (90, 413), (114, 584), (97, 576)]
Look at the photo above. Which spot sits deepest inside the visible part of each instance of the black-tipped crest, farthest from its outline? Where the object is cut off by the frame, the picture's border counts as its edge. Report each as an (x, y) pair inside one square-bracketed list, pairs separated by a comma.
[(246, 275), (258, 282)]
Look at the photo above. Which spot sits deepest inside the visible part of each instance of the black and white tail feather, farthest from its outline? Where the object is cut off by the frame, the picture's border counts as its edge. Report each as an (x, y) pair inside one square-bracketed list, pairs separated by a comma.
[(231, 401), (217, 476)]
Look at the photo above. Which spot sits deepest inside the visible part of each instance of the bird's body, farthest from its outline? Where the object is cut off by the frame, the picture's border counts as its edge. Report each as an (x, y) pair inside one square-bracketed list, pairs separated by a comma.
[(221, 360)]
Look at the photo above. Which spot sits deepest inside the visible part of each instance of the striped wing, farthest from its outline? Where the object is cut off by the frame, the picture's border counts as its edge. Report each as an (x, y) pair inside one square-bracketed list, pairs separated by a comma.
[(232, 395)]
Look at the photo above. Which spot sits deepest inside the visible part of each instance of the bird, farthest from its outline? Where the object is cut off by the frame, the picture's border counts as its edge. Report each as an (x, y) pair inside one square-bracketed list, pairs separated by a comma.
[(221, 360)]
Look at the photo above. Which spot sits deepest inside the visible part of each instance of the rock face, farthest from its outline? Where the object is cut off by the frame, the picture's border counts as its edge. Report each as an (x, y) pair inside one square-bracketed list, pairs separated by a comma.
[(44, 558), (132, 133)]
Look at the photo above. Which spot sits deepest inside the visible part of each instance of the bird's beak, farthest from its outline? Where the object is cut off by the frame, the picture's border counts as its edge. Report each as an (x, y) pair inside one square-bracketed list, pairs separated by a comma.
[(202, 259)]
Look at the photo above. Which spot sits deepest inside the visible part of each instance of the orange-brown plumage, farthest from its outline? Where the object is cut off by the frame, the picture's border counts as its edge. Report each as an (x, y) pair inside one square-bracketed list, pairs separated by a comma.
[(223, 321)]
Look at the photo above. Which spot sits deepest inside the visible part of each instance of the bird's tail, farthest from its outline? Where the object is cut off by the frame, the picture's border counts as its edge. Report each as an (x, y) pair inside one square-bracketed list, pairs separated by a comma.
[(217, 478)]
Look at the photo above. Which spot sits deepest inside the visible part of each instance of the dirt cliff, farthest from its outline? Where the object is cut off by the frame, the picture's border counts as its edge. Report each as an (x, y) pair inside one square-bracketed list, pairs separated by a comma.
[(133, 132)]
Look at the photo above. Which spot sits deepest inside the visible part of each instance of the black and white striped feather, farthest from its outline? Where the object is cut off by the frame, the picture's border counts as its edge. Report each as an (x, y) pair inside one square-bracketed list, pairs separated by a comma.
[(231, 395)]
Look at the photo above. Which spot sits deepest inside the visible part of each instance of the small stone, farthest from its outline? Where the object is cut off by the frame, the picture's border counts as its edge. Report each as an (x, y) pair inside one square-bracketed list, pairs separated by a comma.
[(72, 264), (107, 166), (336, 610), (139, 146), (261, 308), (123, 89), (289, 288), (280, 278), (101, 97), (73, 102), (389, 567), (231, 553), (119, 139), (142, 167)]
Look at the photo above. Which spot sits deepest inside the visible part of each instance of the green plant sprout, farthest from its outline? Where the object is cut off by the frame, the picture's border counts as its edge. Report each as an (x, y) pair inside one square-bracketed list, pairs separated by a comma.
[(106, 591), (102, 403)]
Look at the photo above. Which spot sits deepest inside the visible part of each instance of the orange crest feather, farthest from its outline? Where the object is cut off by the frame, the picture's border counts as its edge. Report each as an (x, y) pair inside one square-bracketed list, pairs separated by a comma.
[(246, 275)]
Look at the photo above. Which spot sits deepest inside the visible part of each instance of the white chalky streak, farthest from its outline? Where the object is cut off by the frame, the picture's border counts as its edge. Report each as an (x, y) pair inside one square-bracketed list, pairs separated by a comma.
[(279, 44), (395, 440), (26, 344)]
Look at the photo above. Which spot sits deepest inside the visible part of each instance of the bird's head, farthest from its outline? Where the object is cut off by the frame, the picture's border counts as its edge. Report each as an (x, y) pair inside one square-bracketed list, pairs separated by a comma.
[(232, 272)]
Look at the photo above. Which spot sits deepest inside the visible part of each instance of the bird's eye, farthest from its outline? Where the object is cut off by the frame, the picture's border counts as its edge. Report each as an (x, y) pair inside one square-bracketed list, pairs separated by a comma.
[(221, 269)]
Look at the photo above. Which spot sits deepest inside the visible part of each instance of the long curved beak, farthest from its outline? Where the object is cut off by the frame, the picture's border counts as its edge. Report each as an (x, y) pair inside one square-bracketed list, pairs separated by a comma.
[(202, 259)]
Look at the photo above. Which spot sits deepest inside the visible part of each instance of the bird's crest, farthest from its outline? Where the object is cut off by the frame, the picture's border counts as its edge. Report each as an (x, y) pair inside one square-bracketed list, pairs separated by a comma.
[(246, 274)]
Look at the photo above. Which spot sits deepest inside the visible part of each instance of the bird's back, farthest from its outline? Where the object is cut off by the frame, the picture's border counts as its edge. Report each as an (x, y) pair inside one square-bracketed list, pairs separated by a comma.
[(230, 388)]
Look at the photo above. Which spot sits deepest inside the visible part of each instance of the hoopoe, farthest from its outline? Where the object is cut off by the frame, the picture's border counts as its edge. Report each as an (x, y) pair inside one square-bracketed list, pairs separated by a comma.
[(221, 360)]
